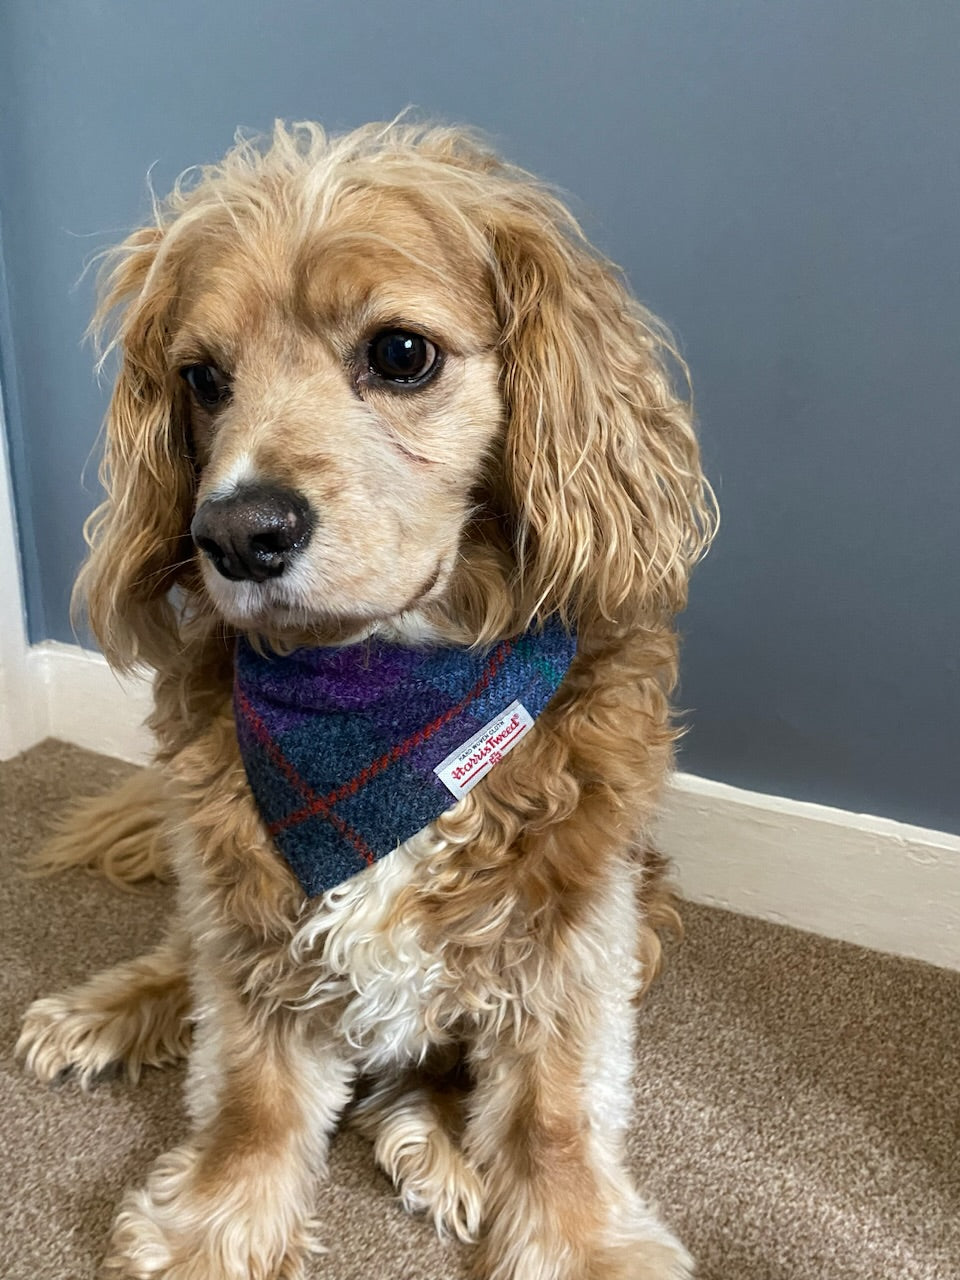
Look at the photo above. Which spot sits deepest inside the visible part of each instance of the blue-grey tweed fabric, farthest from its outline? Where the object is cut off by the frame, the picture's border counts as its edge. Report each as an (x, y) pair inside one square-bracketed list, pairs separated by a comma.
[(340, 745)]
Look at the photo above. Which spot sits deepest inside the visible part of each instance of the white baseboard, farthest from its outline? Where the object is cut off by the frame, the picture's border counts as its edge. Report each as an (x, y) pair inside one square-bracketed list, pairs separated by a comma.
[(872, 881), (77, 698), (860, 879)]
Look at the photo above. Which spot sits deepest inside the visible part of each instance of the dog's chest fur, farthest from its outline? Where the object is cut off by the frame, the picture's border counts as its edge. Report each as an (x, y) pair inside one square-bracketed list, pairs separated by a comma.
[(355, 958), (357, 951), (364, 960)]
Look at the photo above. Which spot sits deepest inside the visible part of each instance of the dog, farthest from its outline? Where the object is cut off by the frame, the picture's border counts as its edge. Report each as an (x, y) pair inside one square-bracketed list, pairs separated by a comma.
[(378, 400)]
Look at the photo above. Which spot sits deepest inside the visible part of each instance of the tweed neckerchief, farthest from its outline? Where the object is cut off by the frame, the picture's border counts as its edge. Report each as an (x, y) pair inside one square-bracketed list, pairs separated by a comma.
[(351, 751)]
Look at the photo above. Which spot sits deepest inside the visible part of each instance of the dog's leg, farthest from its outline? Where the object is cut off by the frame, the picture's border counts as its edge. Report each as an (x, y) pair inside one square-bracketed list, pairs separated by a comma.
[(557, 1207), (549, 1116), (131, 1016), (412, 1125), (235, 1201), (119, 834)]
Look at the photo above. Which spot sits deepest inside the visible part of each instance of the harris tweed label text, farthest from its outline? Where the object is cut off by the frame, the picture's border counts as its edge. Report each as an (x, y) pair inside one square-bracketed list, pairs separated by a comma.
[(465, 766)]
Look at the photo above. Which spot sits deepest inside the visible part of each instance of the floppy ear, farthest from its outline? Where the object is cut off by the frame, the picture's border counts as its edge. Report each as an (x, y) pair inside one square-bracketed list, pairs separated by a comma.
[(603, 466), (139, 537)]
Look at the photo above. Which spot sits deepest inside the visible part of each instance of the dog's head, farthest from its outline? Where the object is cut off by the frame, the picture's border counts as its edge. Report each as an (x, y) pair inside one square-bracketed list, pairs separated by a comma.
[(381, 381)]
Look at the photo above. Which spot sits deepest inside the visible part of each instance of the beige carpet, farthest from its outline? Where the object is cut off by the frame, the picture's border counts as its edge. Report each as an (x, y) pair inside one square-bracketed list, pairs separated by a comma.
[(798, 1101)]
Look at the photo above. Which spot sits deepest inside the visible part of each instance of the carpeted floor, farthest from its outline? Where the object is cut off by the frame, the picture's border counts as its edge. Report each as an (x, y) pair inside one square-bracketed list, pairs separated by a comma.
[(798, 1101)]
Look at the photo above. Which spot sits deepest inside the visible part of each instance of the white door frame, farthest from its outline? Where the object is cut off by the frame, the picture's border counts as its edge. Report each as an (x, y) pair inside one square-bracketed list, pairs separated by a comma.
[(53, 690), (20, 721)]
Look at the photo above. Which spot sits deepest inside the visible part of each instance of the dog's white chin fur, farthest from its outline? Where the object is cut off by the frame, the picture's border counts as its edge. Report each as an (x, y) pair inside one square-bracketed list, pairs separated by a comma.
[(277, 606), (296, 602)]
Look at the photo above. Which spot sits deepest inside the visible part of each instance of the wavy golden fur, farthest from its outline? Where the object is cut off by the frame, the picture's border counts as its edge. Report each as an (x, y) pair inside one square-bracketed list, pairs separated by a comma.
[(550, 467)]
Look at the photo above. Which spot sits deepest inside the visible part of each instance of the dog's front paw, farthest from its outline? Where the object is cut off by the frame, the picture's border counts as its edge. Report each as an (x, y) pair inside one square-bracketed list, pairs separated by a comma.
[(647, 1259), (633, 1244), (662, 1258), (175, 1228), (641, 1247)]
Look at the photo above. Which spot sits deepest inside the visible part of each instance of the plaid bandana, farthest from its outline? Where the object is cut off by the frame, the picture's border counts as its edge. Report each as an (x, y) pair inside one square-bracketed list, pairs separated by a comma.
[(351, 751)]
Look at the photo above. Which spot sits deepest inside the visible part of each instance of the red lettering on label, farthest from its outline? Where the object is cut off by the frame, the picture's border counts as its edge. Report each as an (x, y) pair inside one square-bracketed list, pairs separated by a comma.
[(488, 756)]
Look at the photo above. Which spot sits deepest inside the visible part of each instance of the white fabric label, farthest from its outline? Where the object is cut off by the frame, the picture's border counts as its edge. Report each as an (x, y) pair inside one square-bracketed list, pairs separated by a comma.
[(464, 767)]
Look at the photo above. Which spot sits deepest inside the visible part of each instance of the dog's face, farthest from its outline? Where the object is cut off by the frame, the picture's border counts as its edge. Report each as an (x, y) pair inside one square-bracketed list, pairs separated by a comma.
[(342, 395), (381, 381)]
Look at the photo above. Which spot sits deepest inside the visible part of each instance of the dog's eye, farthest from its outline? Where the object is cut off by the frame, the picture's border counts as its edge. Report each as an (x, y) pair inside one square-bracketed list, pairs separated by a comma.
[(208, 383), (399, 356)]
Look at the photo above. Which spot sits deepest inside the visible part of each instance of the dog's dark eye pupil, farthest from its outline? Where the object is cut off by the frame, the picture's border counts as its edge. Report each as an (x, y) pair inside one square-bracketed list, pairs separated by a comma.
[(399, 356), (208, 383)]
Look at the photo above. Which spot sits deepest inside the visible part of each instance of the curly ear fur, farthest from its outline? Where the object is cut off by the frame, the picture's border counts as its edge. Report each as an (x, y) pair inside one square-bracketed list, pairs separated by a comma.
[(601, 458), (139, 546)]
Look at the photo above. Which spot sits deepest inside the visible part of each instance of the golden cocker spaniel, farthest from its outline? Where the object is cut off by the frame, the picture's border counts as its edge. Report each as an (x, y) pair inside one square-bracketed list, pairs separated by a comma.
[(377, 396)]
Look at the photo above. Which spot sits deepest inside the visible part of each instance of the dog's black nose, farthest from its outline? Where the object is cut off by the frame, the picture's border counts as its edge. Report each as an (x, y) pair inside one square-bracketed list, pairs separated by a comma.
[(255, 533)]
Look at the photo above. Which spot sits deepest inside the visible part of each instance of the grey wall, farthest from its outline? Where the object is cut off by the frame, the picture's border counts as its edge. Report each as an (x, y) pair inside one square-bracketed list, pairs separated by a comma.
[(781, 180)]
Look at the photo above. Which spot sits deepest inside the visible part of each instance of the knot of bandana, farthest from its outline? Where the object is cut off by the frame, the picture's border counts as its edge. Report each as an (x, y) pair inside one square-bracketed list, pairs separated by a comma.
[(351, 751)]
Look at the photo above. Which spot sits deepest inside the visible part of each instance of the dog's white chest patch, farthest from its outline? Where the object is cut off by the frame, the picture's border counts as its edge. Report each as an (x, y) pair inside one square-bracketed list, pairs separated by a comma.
[(369, 957)]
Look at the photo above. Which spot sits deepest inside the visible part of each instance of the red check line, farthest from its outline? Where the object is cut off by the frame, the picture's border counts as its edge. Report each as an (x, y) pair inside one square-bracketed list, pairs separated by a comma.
[(322, 804), (262, 734), (319, 806)]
